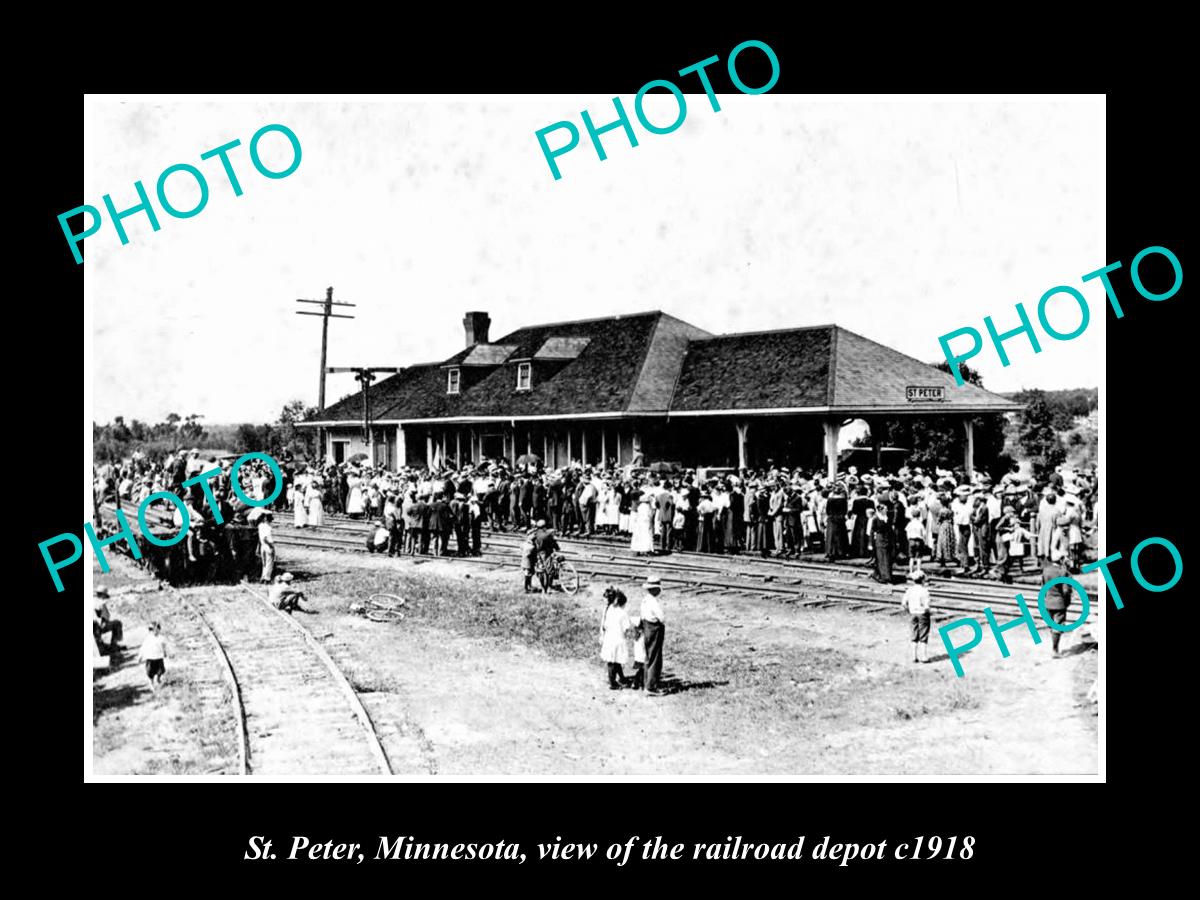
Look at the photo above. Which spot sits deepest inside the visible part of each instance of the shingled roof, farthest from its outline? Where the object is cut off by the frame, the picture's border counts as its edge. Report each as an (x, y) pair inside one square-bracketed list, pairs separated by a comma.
[(652, 363), (820, 368), (616, 365)]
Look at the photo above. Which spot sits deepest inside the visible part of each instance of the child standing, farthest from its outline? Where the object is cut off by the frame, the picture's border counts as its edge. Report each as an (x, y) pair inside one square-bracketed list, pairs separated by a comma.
[(615, 642), (916, 600), (153, 654), (915, 531)]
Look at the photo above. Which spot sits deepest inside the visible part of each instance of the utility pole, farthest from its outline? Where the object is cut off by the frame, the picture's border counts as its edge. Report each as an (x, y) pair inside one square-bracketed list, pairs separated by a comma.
[(364, 375), (326, 313)]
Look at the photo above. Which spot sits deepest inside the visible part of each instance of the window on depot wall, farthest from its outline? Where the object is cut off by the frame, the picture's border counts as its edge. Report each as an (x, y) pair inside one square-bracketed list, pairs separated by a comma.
[(453, 379), (524, 376)]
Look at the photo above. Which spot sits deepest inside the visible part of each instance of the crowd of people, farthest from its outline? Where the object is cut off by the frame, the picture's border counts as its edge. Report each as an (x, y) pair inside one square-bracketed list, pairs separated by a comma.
[(971, 525), (208, 545)]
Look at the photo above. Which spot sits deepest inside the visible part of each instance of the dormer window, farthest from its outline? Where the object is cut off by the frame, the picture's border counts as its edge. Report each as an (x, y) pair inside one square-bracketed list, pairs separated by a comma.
[(453, 380), (524, 376)]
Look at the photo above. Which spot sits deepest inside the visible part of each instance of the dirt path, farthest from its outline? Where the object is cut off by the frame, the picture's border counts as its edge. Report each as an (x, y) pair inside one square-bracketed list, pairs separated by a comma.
[(763, 688), (470, 683)]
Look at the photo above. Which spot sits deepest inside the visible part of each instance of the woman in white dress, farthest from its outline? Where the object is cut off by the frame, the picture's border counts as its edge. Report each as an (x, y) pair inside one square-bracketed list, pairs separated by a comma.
[(316, 508), (616, 642), (300, 500), (613, 507), (355, 505), (643, 533)]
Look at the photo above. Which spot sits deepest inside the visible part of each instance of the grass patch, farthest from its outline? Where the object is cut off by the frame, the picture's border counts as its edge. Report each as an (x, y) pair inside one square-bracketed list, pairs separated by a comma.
[(553, 623)]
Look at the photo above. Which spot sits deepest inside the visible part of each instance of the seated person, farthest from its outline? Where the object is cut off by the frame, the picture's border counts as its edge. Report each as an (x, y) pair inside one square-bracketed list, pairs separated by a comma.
[(378, 537), (103, 623), (283, 596)]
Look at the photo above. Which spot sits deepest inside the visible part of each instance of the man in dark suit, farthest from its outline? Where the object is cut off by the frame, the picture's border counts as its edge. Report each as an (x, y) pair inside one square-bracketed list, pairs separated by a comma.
[(527, 499), (835, 524), (737, 510), (1058, 599), (691, 517), (577, 507), (498, 501), (665, 501), (539, 499), (421, 512), (465, 485), (514, 502), (462, 525), (439, 520), (554, 496)]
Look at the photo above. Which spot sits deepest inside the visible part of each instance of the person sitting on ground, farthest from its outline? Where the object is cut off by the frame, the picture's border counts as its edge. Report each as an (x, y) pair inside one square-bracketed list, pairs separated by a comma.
[(284, 597), (378, 537), (103, 623)]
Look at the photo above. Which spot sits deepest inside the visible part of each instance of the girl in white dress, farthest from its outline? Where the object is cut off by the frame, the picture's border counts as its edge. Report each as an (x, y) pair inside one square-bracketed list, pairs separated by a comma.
[(616, 643), (643, 534), (316, 509)]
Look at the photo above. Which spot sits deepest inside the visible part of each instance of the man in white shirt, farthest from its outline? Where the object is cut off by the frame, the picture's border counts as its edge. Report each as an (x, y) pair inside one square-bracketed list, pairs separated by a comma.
[(916, 600), (960, 507), (653, 632), (266, 548)]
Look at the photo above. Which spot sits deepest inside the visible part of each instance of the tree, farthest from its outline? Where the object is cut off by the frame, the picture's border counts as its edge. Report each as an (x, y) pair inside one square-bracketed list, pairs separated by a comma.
[(250, 437), (192, 430), (1037, 437), (290, 439), (118, 431)]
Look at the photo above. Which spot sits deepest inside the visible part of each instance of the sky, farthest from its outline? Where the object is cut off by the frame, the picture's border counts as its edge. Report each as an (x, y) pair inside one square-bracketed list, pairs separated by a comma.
[(901, 220)]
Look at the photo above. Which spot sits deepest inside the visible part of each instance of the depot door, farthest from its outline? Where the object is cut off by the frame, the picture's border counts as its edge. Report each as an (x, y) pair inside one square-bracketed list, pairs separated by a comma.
[(491, 446)]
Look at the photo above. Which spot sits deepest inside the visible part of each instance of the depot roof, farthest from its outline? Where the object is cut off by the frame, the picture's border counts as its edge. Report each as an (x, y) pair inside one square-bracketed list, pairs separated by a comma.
[(652, 363)]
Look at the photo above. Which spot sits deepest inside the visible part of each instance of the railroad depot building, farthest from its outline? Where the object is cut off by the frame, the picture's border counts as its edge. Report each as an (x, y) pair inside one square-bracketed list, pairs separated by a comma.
[(646, 386)]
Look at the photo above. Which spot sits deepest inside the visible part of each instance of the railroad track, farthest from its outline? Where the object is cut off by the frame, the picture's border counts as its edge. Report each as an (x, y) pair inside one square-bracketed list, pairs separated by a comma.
[(294, 710), (803, 582)]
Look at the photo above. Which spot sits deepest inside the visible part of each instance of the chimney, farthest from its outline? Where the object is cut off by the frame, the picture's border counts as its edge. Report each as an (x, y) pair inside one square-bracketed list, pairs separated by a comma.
[(476, 325)]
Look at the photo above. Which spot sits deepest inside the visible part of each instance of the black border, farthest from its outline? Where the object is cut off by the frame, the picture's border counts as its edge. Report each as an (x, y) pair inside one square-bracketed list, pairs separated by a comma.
[(1026, 830)]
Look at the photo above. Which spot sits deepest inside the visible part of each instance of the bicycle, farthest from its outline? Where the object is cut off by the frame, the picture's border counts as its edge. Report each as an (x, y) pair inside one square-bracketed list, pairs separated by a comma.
[(384, 608), (557, 571)]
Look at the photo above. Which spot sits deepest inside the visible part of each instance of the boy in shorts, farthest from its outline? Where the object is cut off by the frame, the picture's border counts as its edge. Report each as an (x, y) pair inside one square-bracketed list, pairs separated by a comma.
[(916, 600)]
